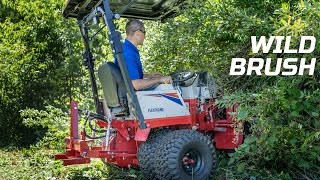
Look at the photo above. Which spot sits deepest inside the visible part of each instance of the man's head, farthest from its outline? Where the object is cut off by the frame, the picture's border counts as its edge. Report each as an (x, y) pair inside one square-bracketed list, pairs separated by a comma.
[(135, 32)]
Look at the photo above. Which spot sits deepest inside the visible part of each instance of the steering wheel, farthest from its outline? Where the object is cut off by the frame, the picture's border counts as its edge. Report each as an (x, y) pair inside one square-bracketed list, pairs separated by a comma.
[(181, 75)]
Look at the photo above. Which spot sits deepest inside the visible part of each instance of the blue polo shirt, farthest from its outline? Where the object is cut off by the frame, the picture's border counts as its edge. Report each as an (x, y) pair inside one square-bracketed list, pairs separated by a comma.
[(132, 58)]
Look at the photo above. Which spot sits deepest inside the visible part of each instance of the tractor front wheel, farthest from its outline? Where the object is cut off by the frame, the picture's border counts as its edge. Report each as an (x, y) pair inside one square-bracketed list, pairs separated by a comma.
[(185, 154)]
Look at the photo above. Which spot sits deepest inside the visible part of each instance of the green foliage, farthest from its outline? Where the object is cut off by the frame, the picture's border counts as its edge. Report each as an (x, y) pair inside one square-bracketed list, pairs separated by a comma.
[(285, 133), (54, 120), (39, 163), (36, 68), (285, 139)]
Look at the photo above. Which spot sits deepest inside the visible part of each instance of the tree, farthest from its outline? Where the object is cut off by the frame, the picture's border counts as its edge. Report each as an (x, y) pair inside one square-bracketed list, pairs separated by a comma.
[(37, 64)]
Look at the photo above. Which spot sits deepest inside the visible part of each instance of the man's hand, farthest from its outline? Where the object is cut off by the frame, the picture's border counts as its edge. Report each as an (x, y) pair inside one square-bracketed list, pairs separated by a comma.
[(140, 84), (166, 80)]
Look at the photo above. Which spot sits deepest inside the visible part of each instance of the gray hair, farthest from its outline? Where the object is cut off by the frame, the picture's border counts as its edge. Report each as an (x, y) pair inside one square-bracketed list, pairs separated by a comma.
[(132, 26)]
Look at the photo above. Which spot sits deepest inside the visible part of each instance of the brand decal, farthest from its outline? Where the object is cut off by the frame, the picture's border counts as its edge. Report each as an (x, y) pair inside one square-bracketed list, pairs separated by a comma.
[(155, 109)]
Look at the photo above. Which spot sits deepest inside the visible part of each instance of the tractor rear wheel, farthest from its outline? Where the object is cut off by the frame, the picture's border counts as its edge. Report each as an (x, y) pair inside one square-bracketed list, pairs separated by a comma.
[(185, 154), (146, 152)]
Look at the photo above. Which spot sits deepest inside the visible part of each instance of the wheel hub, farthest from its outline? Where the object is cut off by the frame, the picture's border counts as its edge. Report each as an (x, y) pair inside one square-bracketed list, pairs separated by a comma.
[(192, 162)]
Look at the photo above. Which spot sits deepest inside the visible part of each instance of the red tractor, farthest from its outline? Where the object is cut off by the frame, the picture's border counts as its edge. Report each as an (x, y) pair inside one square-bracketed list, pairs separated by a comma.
[(170, 132)]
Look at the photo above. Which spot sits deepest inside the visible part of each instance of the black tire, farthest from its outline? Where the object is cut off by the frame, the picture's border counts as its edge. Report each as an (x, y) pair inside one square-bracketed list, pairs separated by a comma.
[(185, 154), (146, 152)]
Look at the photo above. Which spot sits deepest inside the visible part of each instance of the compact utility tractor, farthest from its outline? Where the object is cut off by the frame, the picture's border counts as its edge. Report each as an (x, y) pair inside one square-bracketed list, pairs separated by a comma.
[(170, 132)]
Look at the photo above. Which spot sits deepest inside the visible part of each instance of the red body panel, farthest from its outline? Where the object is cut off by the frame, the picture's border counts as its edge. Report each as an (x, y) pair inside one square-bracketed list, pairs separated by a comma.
[(205, 118), (142, 135), (227, 139), (169, 121)]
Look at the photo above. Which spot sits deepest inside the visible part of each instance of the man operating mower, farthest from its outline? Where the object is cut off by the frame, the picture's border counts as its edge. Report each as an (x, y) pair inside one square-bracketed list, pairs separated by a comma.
[(135, 32)]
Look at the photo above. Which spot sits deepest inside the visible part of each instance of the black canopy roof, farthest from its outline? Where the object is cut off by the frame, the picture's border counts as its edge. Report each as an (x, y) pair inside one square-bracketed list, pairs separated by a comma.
[(141, 9)]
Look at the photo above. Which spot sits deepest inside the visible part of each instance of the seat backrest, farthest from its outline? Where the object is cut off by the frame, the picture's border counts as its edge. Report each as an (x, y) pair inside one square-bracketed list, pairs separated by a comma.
[(113, 85)]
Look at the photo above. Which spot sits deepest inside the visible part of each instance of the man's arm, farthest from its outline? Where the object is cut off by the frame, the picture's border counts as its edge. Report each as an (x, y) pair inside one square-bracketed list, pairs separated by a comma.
[(152, 75), (140, 84)]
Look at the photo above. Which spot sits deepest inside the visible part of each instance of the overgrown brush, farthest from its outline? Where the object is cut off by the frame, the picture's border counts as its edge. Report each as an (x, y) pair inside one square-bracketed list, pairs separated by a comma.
[(285, 139)]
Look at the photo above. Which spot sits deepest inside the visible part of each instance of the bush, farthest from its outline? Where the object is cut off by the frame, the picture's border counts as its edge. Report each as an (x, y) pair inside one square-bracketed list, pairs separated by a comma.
[(285, 129), (53, 120)]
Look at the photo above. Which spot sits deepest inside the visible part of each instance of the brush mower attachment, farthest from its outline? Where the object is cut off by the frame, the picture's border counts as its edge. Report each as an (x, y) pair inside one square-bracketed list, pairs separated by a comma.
[(80, 150)]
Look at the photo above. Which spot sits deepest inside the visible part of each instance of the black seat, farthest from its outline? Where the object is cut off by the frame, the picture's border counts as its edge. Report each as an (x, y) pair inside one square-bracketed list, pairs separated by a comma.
[(113, 86)]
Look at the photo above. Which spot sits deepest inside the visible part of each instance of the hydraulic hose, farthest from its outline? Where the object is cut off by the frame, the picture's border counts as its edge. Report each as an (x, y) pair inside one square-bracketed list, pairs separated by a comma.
[(85, 132)]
